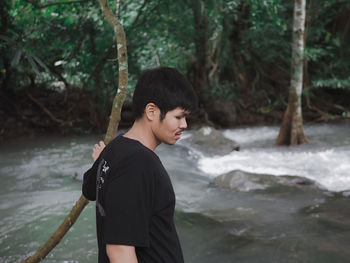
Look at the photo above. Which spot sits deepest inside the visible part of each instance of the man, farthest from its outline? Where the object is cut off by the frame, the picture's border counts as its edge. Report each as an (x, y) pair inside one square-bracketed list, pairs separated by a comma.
[(134, 196)]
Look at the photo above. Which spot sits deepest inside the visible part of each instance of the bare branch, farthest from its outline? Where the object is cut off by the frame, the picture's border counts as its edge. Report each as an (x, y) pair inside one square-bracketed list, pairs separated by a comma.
[(139, 13), (145, 19), (52, 117), (98, 68)]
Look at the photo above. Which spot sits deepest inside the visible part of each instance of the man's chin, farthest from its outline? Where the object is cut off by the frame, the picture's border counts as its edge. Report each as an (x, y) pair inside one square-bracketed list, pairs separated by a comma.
[(170, 142)]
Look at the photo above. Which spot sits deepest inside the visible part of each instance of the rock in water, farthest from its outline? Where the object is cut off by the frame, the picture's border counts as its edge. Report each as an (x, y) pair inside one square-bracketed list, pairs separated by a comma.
[(239, 181), (333, 212), (211, 141)]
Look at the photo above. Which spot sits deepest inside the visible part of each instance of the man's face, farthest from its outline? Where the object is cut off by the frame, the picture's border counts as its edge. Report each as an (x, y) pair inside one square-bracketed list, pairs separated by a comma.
[(169, 129)]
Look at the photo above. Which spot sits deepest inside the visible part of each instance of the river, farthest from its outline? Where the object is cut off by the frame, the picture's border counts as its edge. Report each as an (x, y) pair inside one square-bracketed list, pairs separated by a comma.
[(41, 179)]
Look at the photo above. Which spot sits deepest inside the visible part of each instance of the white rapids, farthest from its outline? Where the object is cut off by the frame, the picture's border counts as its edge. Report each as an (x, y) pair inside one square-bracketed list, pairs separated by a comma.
[(326, 159)]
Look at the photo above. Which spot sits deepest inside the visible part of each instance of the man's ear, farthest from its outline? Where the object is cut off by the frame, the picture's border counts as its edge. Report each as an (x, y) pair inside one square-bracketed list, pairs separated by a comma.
[(151, 111)]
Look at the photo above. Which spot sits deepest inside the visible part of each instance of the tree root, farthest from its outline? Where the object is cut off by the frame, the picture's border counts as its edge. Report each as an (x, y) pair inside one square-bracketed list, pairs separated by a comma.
[(324, 116)]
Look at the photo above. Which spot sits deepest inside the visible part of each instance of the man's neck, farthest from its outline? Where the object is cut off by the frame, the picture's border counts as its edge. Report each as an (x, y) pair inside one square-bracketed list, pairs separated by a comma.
[(142, 132)]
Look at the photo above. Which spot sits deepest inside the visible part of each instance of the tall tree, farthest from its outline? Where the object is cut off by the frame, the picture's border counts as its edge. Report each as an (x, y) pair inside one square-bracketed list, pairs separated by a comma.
[(5, 63), (200, 78), (238, 40), (291, 130)]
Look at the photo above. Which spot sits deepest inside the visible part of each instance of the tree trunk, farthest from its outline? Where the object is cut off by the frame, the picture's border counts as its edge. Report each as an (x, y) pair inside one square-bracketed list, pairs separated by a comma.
[(5, 73), (111, 131), (291, 130), (200, 79), (239, 42)]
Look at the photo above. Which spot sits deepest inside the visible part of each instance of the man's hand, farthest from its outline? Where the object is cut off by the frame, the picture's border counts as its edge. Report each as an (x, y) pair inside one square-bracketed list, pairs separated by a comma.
[(97, 150), (121, 254)]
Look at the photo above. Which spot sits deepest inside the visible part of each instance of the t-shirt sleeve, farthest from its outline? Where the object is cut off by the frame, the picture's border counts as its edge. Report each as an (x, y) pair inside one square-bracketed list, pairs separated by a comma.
[(128, 207), (89, 182)]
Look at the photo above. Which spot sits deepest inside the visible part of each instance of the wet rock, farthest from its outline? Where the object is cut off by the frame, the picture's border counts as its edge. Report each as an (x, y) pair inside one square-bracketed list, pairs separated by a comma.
[(239, 181), (332, 213), (211, 141)]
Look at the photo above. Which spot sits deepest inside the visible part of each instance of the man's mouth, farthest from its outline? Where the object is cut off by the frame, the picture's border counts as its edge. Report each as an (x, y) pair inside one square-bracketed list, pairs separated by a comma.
[(178, 134)]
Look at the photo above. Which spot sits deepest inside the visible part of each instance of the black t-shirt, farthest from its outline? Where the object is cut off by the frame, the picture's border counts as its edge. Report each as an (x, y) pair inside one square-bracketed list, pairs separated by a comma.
[(135, 202)]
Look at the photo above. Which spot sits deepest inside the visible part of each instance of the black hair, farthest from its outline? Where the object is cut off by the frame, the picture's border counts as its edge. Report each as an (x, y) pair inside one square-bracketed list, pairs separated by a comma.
[(165, 87)]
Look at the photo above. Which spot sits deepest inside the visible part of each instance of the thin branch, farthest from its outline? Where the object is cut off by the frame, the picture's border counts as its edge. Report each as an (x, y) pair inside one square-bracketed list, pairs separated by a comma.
[(12, 108), (144, 20), (117, 9), (59, 76), (139, 13), (52, 117), (76, 48), (99, 65)]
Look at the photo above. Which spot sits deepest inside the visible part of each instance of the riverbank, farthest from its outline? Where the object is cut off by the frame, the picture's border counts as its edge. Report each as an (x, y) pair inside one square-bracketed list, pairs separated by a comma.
[(34, 112)]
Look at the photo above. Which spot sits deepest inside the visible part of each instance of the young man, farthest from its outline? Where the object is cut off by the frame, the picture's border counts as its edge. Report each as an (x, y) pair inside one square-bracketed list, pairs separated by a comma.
[(134, 196)]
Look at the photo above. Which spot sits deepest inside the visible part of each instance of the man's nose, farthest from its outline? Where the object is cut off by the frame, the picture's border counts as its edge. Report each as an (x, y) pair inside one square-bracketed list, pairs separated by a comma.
[(183, 124)]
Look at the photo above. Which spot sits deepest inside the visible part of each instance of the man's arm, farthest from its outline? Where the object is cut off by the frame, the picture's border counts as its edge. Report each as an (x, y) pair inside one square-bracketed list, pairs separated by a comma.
[(121, 254), (89, 178)]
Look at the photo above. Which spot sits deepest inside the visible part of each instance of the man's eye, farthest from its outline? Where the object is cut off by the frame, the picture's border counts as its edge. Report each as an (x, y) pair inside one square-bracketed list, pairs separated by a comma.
[(178, 117)]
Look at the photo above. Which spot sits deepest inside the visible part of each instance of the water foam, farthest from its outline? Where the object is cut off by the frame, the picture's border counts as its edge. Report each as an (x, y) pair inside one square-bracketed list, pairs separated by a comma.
[(326, 160), (329, 168)]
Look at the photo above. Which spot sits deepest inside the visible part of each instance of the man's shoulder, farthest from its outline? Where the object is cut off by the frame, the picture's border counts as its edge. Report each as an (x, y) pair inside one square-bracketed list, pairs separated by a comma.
[(125, 151), (127, 145), (143, 158)]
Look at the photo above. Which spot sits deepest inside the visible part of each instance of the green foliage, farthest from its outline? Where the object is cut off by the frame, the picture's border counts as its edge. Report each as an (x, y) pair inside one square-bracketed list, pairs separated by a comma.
[(225, 90), (270, 106), (328, 44), (248, 39)]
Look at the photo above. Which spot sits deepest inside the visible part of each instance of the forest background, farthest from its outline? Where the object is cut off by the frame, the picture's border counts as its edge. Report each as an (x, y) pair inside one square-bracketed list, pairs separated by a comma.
[(59, 71)]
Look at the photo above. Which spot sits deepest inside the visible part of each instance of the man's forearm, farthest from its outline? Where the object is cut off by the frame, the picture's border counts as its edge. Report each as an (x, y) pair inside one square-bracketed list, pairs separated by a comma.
[(121, 254)]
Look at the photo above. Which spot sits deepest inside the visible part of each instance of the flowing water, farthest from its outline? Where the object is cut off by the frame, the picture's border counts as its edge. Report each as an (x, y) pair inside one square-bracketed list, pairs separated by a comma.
[(41, 179)]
